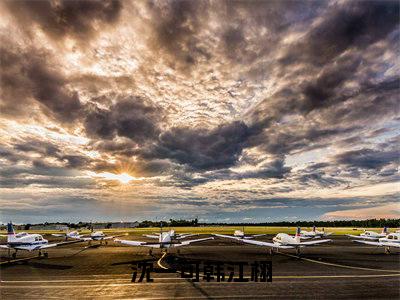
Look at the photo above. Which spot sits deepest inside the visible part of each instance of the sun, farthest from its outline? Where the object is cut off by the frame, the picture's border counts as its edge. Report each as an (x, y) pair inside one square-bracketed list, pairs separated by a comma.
[(122, 177)]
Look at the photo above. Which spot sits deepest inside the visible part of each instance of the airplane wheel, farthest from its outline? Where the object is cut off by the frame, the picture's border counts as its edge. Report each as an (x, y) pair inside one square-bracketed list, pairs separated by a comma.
[(106, 243), (14, 255), (151, 252), (46, 255)]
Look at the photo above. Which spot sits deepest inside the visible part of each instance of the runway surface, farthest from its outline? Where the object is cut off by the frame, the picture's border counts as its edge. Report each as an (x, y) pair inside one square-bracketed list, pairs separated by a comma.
[(340, 270)]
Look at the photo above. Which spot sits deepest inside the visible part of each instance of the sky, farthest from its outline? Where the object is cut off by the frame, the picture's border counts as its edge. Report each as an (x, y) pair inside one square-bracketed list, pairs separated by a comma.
[(228, 111)]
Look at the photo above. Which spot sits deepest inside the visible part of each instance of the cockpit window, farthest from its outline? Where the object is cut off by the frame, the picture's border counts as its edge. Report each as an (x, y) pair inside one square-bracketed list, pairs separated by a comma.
[(390, 237)]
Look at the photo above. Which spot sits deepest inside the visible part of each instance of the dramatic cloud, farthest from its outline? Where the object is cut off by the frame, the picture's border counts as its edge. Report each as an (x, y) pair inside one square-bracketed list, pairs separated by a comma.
[(218, 109), (59, 19)]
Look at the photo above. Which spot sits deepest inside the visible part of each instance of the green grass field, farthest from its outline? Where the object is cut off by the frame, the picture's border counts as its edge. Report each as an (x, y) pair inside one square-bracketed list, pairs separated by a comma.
[(218, 229)]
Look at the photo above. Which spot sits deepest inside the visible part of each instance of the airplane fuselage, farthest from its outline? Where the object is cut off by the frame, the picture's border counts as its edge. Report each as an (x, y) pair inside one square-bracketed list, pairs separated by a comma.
[(25, 239), (285, 239)]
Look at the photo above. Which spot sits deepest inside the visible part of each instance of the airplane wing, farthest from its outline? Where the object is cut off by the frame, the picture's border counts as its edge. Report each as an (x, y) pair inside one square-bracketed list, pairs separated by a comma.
[(379, 244), (4, 247), (43, 246), (183, 236), (327, 234), (266, 244), (314, 242), (256, 235), (137, 243), (253, 236), (152, 236), (368, 243), (185, 243), (363, 237), (58, 234), (228, 236), (130, 243)]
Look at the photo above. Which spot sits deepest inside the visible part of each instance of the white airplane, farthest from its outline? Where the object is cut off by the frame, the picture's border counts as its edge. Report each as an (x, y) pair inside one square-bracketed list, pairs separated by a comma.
[(239, 235), (165, 240), (27, 242), (283, 241), (314, 233), (98, 236), (370, 235), (172, 233), (391, 240), (69, 235)]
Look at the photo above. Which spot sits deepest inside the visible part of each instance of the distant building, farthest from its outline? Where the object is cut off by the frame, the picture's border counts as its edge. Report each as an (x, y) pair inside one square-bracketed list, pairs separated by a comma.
[(111, 225), (60, 227)]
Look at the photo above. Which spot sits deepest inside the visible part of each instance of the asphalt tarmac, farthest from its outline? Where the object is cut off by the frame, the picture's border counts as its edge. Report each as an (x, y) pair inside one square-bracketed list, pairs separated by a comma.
[(339, 270)]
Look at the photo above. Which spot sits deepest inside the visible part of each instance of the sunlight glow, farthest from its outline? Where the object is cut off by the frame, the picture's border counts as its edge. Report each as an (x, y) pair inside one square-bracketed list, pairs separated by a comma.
[(123, 177)]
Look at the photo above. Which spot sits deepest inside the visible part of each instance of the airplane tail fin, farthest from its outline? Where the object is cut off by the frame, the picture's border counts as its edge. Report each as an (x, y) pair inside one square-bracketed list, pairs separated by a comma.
[(313, 228), (385, 230), (10, 233), (297, 237)]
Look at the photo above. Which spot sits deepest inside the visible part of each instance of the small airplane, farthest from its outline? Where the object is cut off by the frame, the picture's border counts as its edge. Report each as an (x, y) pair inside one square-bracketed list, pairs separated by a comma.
[(98, 236), (69, 235), (370, 235), (391, 240), (239, 235), (284, 241), (165, 240), (172, 233), (314, 233), (27, 242)]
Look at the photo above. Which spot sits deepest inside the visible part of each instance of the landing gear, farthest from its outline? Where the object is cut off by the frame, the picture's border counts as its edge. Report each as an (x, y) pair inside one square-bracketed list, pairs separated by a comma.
[(387, 250), (271, 251), (150, 251), (46, 255), (298, 251), (14, 255)]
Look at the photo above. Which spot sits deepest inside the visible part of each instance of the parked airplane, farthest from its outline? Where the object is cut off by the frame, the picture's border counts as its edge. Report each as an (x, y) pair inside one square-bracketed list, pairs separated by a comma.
[(314, 233), (391, 240), (165, 240), (370, 235), (172, 233), (27, 242), (284, 241), (98, 236), (69, 235), (239, 235)]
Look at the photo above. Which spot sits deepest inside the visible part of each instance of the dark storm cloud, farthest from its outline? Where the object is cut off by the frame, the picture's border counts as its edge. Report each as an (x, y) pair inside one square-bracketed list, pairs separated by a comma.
[(182, 28), (29, 74), (176, 24), (78, 19), (201, 149), (323, 90), (355, 24), (368, 158), (37, 146), (282, 142), (130, 117)]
